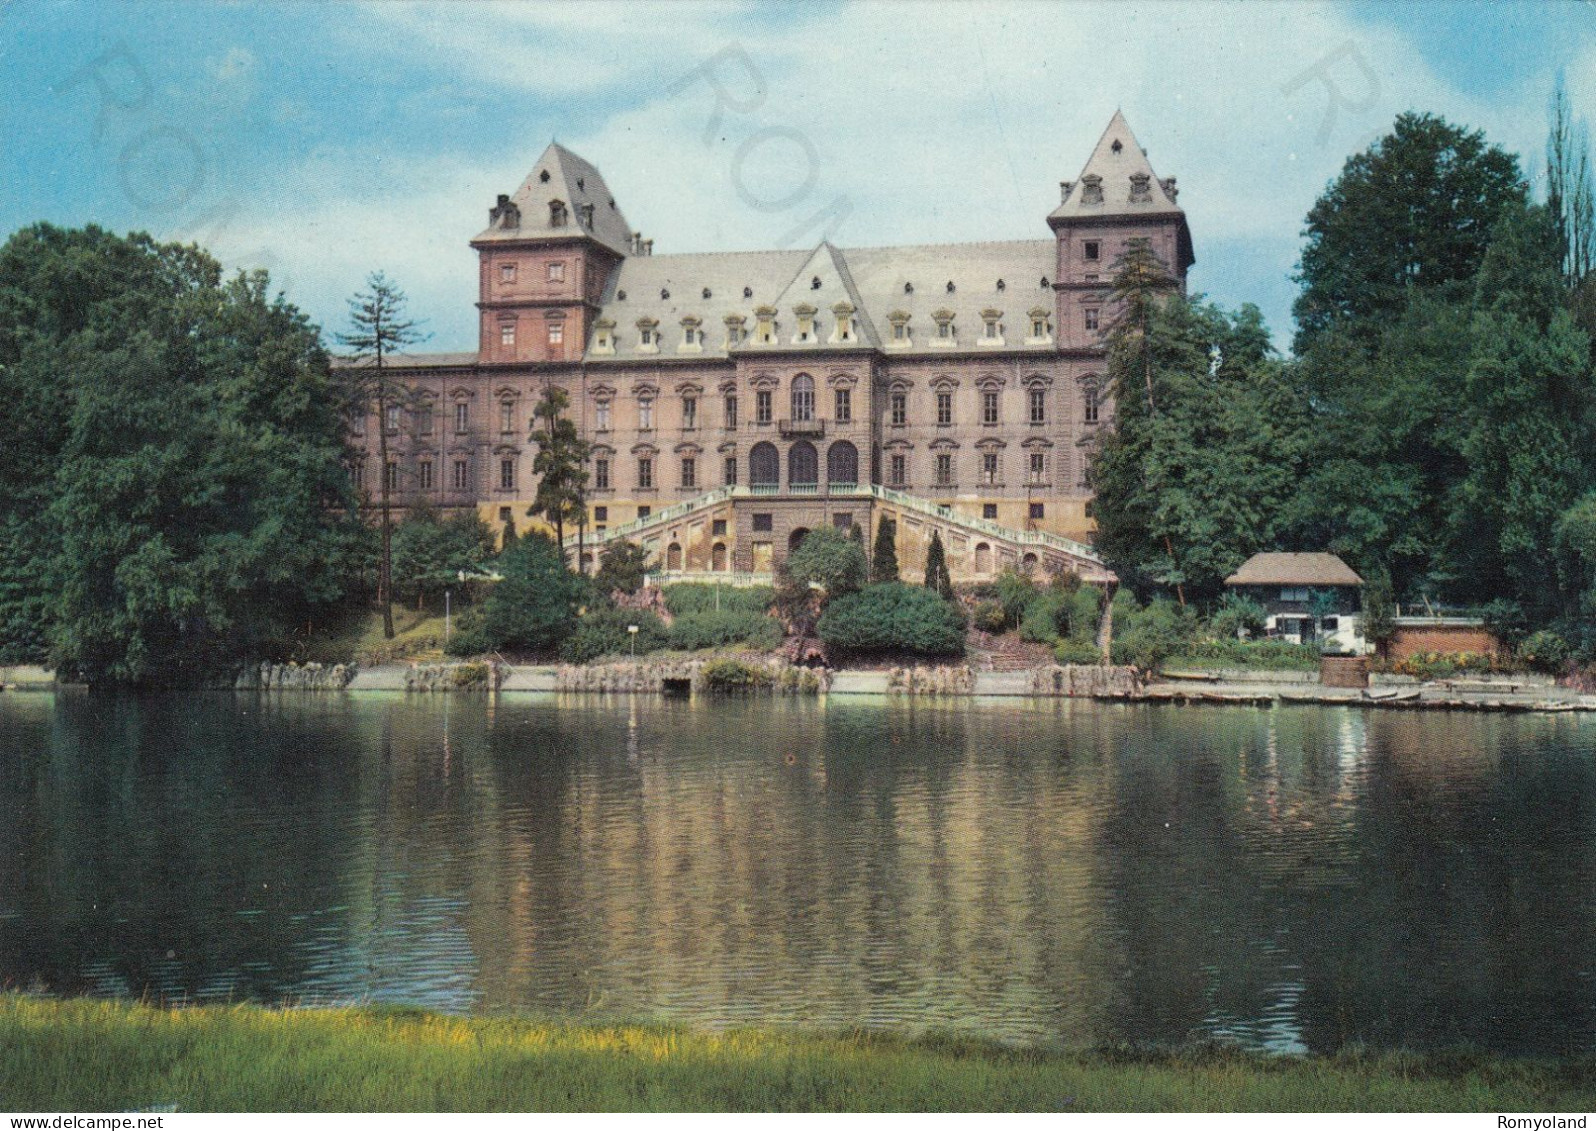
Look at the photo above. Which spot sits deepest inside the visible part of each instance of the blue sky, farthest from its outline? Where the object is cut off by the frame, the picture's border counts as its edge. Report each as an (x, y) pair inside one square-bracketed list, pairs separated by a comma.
[(327, 141)]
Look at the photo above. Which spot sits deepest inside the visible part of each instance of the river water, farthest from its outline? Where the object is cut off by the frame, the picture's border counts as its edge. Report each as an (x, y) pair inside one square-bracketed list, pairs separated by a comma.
[(1061, 873)]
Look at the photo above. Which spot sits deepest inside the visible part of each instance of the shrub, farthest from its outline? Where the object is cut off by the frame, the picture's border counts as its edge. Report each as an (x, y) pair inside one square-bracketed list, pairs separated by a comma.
[(622, 565), (1014, 592), (1237, 617), (827, 557), (893, 617), (734, 677), (989, 617), (1043, 616), (711, 629), (884, 554), (533, 608), (1282, 655), (686, 598), (1147, 637), (1545, 651), (1076, 652), (602, 632), (467, 676), (1085, 611)]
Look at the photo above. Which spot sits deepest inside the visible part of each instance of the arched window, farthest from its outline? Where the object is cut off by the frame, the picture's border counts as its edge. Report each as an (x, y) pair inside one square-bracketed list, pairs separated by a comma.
[(803, 465), (673, 557), (717, 557), (796, 538), (803, 398), (764, 465), (842, 463), (983, 558)]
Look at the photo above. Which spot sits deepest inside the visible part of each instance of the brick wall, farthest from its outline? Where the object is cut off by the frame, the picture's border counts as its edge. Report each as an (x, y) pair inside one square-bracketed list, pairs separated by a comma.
[(1413, 639)]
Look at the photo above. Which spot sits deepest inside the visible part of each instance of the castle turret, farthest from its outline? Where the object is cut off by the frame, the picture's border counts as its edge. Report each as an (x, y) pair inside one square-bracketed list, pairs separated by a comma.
[(1116, 199), (544, 259)]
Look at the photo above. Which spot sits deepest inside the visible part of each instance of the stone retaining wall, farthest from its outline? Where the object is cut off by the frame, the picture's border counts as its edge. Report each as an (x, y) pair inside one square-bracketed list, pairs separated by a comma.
[(656, 676), (295, 677)]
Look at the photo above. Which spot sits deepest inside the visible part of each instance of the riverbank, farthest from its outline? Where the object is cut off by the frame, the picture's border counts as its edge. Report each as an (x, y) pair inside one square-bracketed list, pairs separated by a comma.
[(82, 1055)]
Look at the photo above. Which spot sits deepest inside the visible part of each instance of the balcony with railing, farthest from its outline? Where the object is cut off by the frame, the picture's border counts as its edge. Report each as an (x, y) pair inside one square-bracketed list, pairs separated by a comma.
[(813, 428)]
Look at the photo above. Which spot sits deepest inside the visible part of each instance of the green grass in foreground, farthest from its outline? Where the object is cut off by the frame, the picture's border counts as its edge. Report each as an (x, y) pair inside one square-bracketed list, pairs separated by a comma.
[(107, 1056)]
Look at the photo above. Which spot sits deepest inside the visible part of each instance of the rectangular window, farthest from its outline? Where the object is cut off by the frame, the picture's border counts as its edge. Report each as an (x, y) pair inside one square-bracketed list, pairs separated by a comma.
[(507, 272), (424, 419), (900, 331), (506, 416), (1038, 467), (601, 474), (462, 475), (507, 333), (717, 528), (731, 410), (900, 408), (644, 512), (646, 337), (763, 523), (556, 272), (898, 470), (989, 468), (1038, 327), (689, 471), (1294, 593), (989, 510), (1038, 511), (991, 329), (944, 329), (1038, 406), (556, 333), (844, 406), (944, 469), (391, 478), (762, 406), (645, 415), (1089, 405), (645, 472), (505, 516), (424, 475), (731, 471), (689, 412), (507, 474), (1091, 317), (601, 416), (357, 423), (462, 416), (944, 408), (601, 514), (357, 475), (1091, 251), (989, 406)]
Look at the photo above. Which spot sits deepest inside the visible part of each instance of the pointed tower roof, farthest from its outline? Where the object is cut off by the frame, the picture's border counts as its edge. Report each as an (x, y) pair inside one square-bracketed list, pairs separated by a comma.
[(560, 176), (822, 282), (1117, 180)]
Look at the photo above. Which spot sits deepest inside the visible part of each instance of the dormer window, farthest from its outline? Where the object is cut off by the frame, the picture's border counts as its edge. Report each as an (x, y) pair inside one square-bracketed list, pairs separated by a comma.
[(900, 327), (748, 292), (806, 324), (946, 332), (557, 214), (992, 324), (604, 336), (647, 335), (543, 177), (586, 212), (556, 272), (1039, 325), (735, 334), (765, 328), (1117, 146), (692, 336), (1092, 251), (1141, 188), (507, 272), (843, 332)]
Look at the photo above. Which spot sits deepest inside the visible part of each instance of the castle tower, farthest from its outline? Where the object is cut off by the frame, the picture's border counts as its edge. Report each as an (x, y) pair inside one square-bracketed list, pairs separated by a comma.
[(544, 259), (1116, 199)]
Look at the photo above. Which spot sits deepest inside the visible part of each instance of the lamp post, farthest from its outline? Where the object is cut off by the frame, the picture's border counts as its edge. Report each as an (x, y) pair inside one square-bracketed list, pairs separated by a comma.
[(631, 632)]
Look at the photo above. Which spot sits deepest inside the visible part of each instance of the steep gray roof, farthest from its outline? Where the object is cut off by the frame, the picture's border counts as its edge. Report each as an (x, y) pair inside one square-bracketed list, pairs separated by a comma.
[(1116, 163), (561, 175), (876, 281)]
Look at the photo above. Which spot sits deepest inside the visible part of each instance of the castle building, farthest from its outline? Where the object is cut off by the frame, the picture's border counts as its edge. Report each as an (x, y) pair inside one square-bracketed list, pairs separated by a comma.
[(735, 401)]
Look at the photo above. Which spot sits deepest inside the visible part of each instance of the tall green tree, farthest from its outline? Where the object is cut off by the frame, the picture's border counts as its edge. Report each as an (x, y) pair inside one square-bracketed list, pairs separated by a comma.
[(430, 552), (884, 554), (1186, 493), (830, 559), (187, 500), (937, 577), (561, 465), (1570, 191), (379, 329), (1413, 212)]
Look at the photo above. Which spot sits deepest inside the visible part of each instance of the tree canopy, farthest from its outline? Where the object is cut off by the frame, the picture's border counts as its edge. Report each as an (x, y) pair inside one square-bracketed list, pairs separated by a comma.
[(172, 485)]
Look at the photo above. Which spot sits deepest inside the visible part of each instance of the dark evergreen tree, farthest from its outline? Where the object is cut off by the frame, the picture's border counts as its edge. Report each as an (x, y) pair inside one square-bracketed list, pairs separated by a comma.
[(936, 567), (561, 465), (884, 556)]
